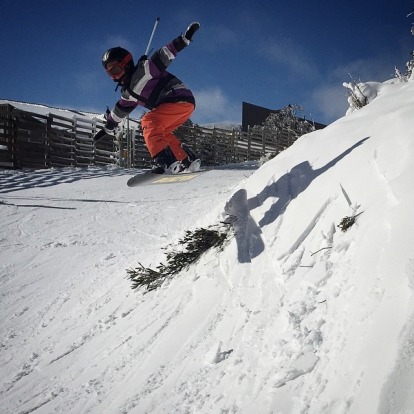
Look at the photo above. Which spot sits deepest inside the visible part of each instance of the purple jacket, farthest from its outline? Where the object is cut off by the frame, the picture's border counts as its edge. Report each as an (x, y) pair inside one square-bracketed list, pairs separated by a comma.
[(151, 85)]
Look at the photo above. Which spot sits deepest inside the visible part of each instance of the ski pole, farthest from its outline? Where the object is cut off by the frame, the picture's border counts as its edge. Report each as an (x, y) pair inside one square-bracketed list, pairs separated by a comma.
[(152, 35), (146, 53)]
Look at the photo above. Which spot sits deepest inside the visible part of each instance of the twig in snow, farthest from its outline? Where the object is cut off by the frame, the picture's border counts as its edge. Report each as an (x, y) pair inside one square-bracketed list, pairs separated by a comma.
[(348, 222), (323, 248)]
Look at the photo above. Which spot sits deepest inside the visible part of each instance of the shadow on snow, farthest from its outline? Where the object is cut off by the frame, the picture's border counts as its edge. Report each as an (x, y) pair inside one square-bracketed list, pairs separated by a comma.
[(285, 189)]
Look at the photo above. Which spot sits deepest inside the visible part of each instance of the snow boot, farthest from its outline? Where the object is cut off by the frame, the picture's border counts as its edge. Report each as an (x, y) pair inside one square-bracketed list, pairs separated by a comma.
[(185, 166), (192, 163), (163, 160), (191, 155)]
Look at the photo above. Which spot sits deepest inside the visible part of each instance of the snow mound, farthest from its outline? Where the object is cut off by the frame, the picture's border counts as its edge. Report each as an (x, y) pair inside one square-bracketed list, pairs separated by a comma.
[(294, 316)]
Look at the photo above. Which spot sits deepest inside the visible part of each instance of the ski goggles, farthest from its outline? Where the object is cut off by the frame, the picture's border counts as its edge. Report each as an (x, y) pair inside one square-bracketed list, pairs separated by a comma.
[(115, 69)]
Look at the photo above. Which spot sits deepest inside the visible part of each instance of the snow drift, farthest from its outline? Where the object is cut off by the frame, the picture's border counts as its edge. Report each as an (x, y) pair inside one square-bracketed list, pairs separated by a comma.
[(294, 316)]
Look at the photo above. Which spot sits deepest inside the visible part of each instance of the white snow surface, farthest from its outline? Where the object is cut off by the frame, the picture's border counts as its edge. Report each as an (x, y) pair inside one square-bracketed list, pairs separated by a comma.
[(46, 110), (293, 316)]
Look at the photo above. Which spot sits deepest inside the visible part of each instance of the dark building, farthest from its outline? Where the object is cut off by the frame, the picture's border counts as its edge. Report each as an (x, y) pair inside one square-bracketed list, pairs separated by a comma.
[(255, 115)]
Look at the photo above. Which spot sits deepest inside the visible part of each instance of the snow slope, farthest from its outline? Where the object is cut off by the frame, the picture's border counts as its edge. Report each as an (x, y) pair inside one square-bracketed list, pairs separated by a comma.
[(293, 316)]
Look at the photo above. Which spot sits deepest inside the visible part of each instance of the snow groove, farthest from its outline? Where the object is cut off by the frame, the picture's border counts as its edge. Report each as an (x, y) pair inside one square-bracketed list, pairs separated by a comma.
[(302, 237)]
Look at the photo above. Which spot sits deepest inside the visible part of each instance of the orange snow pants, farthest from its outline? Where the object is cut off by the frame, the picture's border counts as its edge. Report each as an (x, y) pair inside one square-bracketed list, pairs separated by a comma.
[(159, 123)]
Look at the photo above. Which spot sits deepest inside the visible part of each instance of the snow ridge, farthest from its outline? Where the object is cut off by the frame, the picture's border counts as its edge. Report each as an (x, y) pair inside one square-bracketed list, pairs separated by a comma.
[(293, 316)]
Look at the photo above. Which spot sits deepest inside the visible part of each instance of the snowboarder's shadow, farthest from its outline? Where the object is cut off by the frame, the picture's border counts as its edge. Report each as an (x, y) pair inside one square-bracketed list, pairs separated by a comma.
[(285, 189)]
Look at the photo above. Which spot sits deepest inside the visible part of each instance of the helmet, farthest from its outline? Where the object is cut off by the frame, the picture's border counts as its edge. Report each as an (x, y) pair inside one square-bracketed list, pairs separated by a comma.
[(117, 62)]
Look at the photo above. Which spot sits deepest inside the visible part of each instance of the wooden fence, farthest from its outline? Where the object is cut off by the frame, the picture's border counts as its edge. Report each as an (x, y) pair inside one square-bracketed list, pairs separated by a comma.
[(31, 140)]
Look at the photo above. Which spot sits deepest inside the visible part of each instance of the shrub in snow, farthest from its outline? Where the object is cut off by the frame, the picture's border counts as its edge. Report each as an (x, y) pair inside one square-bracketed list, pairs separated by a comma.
[(287, 120), (185, 252), (347, 222), (356, 97), (361, 94), (409, 75)]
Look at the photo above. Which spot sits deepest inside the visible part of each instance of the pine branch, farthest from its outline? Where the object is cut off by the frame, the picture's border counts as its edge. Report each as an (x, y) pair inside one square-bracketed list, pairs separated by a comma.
[(348, 222), (193, 245)]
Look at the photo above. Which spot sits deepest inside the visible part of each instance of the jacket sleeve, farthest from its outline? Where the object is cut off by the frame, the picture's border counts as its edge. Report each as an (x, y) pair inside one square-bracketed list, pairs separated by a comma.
[(163, 57), (158, 63), (121, 110)]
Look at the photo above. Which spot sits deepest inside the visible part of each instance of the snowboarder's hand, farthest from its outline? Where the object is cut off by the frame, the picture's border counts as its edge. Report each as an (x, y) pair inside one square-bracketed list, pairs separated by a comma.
[(189, 33), (99, 135), (108, 130)]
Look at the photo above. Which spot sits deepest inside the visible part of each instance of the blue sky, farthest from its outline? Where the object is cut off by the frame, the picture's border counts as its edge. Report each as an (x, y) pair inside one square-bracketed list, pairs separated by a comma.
[(269, 53)]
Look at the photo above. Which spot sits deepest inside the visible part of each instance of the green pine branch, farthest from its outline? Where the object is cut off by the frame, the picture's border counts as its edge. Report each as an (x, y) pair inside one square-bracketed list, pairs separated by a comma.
[(188, 250)]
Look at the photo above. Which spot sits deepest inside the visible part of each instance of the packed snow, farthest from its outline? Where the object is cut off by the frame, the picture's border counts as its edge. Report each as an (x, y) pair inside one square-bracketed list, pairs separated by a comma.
[(294, 315)]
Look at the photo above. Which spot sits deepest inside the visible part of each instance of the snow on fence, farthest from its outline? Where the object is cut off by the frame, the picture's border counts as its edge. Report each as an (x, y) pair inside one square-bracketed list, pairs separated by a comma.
[(33, 140)]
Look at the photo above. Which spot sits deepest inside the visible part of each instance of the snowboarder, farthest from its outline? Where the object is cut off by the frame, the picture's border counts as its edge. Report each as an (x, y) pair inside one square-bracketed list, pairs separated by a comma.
[(149, 84)]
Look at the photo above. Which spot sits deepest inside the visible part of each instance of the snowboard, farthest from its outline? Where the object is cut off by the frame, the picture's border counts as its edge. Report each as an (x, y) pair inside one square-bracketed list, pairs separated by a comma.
[(170, 175), (147, 177)]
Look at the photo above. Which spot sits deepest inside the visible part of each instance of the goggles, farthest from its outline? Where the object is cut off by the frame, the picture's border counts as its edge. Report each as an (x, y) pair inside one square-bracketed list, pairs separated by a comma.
[(115, 69)]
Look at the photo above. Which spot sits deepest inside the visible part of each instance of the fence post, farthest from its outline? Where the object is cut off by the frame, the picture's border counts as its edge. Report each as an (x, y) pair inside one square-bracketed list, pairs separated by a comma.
[(129, 138), (15, 144), (233, 146), (47, 141), (120, 139), (263, 142), (76, 145), (94, 131), (249, 142)]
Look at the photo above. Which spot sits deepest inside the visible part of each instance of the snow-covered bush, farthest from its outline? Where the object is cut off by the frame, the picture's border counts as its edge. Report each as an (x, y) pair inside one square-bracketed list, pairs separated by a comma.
[(356, 98), (361, 94), (287, 119), (409, 74)]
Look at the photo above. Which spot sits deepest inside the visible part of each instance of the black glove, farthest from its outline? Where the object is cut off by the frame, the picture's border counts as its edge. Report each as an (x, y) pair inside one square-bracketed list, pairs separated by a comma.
[(108, 129), (99, 135), (110, 125), (189, 33)]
